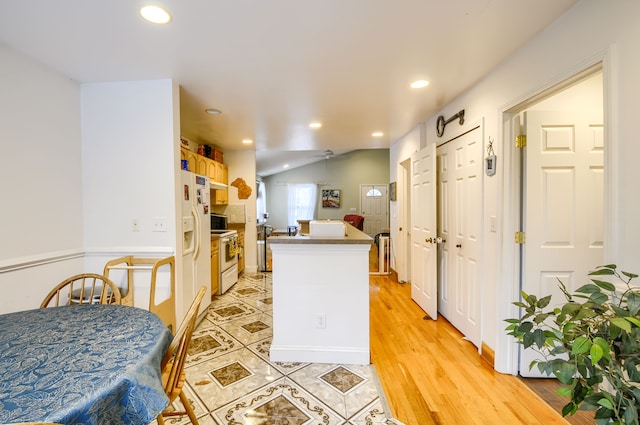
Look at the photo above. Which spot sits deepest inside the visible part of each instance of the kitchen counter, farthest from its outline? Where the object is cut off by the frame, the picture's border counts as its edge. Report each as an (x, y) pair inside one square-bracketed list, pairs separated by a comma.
[(353, 236), (321, 298)]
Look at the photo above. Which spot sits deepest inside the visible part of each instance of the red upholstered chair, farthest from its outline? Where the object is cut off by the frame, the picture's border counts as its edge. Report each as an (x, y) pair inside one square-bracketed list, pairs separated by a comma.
[(355, 220)]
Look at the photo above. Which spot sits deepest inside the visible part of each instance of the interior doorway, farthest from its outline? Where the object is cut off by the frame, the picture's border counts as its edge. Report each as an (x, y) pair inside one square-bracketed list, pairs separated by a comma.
[(561, 186)]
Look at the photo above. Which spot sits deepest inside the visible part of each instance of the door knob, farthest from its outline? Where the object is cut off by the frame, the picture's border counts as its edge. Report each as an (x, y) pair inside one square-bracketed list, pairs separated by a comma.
[(439, 240), (429, 240)]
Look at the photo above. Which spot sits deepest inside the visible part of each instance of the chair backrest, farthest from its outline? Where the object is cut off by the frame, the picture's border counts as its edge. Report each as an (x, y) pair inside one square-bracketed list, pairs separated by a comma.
[(85, 288), (355, 220), (173, 362)]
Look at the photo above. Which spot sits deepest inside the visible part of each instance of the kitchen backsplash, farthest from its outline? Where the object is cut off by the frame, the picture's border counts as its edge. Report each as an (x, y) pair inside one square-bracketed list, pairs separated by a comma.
[(236, 212)]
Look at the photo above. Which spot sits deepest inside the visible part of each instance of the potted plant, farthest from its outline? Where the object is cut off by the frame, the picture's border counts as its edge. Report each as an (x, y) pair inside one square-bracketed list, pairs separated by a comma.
[(590, 343)]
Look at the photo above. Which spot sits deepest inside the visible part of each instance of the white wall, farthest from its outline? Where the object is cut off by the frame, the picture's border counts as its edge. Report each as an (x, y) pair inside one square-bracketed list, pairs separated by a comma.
[(345, 172), (590, 31), (242, 164), (400, 151), (129, 168), (40, 181)]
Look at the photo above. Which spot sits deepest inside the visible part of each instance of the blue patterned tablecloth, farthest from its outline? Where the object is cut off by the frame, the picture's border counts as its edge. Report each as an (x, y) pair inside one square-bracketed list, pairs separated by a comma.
[(88, 364)]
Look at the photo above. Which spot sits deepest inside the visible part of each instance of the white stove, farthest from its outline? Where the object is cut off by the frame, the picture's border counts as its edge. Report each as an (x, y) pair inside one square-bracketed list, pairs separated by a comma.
[(224, 232), (228, 258)]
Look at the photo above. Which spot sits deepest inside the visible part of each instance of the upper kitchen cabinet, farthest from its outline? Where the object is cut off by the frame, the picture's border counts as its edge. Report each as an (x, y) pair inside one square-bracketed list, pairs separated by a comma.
[(190, 156), (216, 171), (222, 176)]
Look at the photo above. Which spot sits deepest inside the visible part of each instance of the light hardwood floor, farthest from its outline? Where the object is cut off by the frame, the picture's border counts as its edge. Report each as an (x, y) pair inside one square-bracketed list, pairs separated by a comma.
[(431, 375)]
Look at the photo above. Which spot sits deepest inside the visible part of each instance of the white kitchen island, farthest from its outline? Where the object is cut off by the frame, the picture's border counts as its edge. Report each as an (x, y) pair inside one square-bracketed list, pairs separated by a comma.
[(321, 298)]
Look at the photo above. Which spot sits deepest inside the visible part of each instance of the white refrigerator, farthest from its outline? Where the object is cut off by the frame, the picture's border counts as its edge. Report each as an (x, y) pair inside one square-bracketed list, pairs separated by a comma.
[(196, 242)]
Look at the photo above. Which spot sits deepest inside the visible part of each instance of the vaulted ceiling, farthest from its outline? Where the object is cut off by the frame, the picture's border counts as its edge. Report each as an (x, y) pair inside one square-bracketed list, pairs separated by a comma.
[(273, 66)]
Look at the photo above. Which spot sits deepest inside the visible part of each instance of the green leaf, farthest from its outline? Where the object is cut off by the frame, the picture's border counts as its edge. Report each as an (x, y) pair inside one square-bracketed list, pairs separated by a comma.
[(599, 298), (631, 415), (525, 327), (570, 308), (596, 353), (633, 302), (512, 320), (621, 323), (527, 339), (604, 346), (603, 272), (588, 289), (581, 345), (633, 320), (543, 302), (605, 403), (564, 391), (539, 338), (607, 286), (630, 275), (565, 372), (569, 409)]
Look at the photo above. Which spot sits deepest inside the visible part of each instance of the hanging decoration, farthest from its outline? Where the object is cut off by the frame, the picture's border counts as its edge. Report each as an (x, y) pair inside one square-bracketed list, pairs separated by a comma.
[(490, 160), (441, 123)]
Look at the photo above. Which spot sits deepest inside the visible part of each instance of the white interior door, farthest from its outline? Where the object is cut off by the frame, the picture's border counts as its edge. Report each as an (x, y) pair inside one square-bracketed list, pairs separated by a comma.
[(374, 202), (460, 207), (563, 204), (424, 265)]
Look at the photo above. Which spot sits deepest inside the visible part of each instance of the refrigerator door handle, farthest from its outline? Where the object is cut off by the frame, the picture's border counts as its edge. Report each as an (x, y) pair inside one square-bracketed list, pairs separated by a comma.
[(196, 232)]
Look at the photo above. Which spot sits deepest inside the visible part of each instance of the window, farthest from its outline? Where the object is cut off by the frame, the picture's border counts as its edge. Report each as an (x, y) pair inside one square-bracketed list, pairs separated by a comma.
[(302, 202), (374, 193), (261, 200)]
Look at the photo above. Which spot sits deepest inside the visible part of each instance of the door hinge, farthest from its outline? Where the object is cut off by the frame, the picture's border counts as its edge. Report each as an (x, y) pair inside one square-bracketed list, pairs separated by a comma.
[(521, 141), (520, 238)]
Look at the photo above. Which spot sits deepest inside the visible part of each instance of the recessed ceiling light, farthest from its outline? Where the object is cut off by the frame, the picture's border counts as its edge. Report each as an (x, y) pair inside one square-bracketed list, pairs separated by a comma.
[(315, 124), (247, 141), (155, 14), (419, 84), (213, 111), (285, 166), (377, 134)]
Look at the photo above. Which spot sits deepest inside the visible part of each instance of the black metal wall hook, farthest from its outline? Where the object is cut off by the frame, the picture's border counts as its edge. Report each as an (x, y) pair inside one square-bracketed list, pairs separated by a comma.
[(441, 123)]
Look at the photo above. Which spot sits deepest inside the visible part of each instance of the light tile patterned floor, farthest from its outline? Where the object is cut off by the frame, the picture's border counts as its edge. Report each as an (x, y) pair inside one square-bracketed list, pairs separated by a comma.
[(230, 380)]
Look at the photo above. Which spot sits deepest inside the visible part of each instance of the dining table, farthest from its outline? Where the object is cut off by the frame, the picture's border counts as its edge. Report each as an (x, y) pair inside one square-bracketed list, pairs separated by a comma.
[(82, 364)]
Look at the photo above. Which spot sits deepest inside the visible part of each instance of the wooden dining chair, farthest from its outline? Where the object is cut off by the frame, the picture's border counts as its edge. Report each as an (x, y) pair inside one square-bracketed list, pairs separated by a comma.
[(85, 288), (173, 377)]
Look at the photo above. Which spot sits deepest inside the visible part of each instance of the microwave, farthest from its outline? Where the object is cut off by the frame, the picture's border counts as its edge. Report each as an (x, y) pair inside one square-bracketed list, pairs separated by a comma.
[(219, 222)]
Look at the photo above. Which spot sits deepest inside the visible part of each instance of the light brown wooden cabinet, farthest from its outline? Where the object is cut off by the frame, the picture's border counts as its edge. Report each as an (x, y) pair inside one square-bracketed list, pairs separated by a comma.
[(222, 176), (241, 257), (216, 171), (215, 267), (190, 157)]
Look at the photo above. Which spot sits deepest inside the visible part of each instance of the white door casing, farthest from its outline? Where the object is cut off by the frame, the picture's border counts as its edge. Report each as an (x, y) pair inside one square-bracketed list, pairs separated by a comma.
[(424, 290), (374, 207), (563, 204), (460, 207)]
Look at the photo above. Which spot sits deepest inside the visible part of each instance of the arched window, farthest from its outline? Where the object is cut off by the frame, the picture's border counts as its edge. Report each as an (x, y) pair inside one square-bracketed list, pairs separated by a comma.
[(374, 193)]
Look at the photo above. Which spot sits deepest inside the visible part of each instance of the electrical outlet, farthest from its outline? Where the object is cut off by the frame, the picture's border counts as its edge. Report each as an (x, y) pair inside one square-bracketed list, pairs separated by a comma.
[(321, 320), (135, 225), (159, 224)]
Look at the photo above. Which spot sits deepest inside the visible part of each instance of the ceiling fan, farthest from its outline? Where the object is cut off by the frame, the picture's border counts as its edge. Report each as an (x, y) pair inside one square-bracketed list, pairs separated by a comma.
[(327, 154)]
